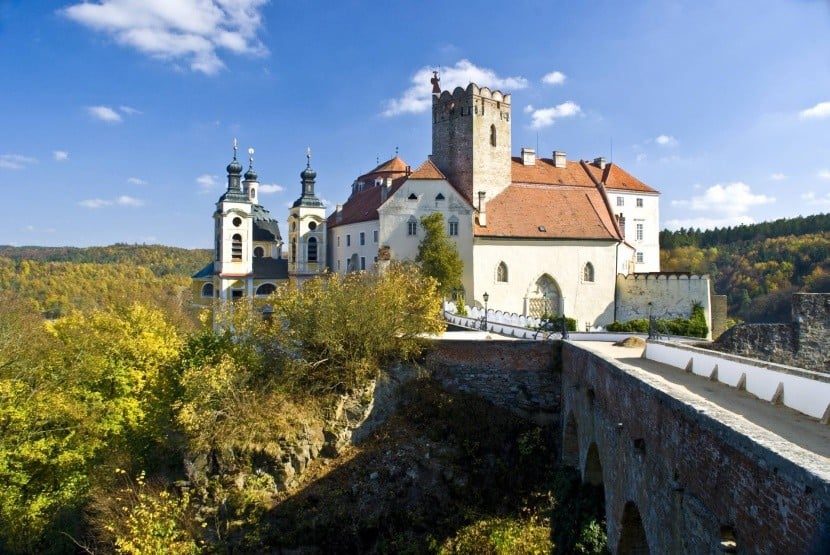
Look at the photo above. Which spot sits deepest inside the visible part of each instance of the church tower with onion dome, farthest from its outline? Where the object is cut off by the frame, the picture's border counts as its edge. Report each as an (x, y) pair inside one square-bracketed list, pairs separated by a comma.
[(247, 245), (306, 230)]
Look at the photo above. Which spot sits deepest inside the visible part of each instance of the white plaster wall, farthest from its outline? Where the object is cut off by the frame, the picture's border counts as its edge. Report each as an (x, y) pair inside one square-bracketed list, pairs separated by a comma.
[(339, 253), (528, 260), (397, 210), (800, 391), (649, 216), (671, 296), (229, 211)]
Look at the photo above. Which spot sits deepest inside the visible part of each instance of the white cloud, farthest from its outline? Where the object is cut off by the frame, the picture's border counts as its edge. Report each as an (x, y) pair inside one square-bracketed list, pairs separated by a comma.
[(104, 113), (554, 78), (641, 157), (60, 155), (129, 111), (725, 205), (33, 229), (95, 203), (543, 117), (778, 176), (418, 97), (136, 181), (820, 110), (207, 182), (823, 174), (192, 31), (528, 109), (125, 200), (270, 188), (665, 140), (814, 200), (15, 161)]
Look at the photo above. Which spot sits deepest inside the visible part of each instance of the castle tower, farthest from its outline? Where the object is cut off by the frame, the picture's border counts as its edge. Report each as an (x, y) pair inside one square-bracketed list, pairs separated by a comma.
[(233, 224), (306, 230), (471, 140)]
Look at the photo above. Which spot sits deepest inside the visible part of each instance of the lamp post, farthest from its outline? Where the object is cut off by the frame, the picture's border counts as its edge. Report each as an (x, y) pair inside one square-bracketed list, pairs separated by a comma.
[(486, 298)]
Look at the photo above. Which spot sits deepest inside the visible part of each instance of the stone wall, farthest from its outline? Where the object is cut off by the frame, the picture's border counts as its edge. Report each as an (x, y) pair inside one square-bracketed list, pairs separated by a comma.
[(664, 295), (683, 477), (802, 343), (521, 376)]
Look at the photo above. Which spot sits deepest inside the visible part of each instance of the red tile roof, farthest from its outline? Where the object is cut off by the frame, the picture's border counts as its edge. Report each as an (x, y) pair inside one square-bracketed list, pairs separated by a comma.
[(427, 170), (542, 211), (614, 177), (544, 172), (394, 167)]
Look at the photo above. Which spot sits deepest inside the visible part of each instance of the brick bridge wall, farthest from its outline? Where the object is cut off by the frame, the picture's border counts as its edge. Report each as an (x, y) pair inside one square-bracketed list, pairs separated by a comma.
[(682, 479), (680, 475)]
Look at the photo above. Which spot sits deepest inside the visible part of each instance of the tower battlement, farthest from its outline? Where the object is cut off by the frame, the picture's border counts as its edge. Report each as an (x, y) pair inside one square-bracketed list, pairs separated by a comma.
[(471, 140)]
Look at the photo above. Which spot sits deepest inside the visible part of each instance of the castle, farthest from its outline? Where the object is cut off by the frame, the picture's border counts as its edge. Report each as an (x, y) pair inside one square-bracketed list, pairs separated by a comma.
[(538, 235)]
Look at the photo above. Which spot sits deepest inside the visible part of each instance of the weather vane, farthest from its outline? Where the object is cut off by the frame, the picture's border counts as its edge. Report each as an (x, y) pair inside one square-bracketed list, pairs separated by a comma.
[(308, 154), (251, 157), (234, 148)]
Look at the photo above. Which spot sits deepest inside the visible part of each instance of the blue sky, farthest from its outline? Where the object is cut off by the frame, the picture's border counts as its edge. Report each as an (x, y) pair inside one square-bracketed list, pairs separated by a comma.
[(118, 116)]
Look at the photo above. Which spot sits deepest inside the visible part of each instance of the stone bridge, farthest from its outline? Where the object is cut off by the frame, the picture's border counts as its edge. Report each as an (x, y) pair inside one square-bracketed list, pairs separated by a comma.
[(681, 474)]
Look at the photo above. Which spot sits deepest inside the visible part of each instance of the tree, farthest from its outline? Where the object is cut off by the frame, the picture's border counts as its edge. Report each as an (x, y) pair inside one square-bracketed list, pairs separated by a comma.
[(438, 256)]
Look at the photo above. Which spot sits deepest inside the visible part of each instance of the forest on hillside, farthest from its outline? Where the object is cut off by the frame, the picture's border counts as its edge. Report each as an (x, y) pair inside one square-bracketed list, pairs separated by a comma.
[(758, 267), (58, 280)]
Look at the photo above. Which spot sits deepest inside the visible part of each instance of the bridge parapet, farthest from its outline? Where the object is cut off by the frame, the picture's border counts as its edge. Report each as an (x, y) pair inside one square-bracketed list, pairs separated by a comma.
[(682, 475), (803, 390)]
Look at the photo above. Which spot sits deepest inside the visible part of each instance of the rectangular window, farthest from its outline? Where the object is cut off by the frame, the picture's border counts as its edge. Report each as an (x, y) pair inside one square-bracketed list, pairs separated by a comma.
[(412, 228), (348, 240), (639, 232), (338, 265), (620, 201), (453, 228), (338, 240), (375, 235), (362, 262), (639, 257), (362, 238), (639, 203)]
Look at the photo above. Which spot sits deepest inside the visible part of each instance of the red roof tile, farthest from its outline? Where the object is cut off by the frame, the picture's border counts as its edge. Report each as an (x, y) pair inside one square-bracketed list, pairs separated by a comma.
[(544, 172), (394, 167), (614, 177), (427, 170), (543, 211)]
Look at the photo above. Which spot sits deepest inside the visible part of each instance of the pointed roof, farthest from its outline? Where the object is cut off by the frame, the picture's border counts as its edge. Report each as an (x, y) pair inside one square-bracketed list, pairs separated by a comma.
[(427, 170), (614, 177), (393, 165)]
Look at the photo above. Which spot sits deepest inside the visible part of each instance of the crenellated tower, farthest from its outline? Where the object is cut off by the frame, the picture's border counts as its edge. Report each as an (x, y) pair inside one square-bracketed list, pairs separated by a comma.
[(471, 139)]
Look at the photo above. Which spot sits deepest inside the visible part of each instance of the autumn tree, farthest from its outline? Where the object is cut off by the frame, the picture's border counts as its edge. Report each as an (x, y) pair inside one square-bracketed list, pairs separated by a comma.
[(438, 255)]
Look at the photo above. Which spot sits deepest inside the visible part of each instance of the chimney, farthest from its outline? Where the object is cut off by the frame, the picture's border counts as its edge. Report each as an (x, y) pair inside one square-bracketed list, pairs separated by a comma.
[(600, 162), (338, 213), (559, 159), (528, 156), (482, 209)]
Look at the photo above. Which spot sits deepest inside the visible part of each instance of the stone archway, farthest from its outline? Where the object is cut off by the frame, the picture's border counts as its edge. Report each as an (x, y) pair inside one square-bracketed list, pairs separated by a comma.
[(570, 443), (633, 535), (546, 298), (593, 467)]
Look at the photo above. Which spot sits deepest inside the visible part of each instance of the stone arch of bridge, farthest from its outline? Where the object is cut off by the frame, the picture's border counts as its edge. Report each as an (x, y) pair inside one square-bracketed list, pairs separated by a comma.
[(632, 534), (593, 466)]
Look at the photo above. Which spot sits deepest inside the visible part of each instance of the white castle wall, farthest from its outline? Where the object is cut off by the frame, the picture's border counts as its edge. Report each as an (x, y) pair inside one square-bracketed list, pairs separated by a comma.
[(662, 295)]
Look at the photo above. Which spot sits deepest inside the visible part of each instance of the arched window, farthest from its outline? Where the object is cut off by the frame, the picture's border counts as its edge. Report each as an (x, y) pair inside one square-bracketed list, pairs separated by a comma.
[(492, 135), (588, 272), (293, 250), (207, 290), (412, 226), (259, 252), (501, 272), (236, 247), (265, 289), (312, 249)]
